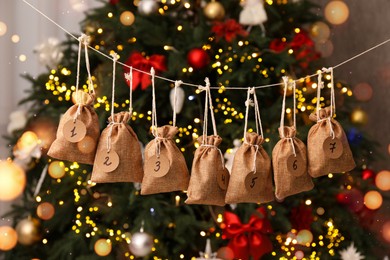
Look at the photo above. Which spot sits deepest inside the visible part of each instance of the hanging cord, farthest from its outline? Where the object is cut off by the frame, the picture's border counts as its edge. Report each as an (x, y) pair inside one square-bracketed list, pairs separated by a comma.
[(332, 100), (80, 39), (177, 84), (129, 78), (40, 181), (112, 123), (290, 139), (86, 39), (157, 139)]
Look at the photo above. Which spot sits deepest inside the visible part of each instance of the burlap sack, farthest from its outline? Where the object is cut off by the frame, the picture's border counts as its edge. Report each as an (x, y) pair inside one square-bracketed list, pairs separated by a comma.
[(177, 177), (287, 184), (62, 149), (207, 164), (125, 143), (319, 163), (260, 188)]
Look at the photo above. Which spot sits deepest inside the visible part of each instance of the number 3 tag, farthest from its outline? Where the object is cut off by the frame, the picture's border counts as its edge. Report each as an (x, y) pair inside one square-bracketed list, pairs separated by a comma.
[(296, 165), (157, 166), (107, 161), (74, 131)]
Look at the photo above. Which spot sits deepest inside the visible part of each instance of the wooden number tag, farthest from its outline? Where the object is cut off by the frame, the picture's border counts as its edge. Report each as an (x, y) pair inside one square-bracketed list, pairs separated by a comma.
[(251, 181), (157, 165), (296, 165), (107, 161), (333, 148), (223, 177), (74, 131)]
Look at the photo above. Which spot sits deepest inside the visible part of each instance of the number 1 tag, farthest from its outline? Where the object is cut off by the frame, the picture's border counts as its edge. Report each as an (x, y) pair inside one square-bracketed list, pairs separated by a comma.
[(157, 166), (107, 161), (251, 181), (74, 130), (296, 165)]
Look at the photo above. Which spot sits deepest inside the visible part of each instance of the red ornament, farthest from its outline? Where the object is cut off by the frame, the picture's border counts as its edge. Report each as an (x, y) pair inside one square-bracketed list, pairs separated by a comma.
[(114, 2), (228, 30), (198, 58), (368, 174), (225, 253), (248, 240), (278, 45), (301, 217), (137, 61), (353, 198)]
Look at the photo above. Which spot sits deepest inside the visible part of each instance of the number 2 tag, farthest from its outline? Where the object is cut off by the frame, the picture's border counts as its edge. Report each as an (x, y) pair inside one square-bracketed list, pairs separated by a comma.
[(333, 148), (251, 181), (74, 131), (107, 161), (296, 165), (157, 166)]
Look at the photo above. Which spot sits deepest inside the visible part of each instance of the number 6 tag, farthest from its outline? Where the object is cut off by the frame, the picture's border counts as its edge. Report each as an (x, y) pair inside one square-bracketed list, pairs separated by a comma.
[(107, 161), (296, 165), (157, 166)]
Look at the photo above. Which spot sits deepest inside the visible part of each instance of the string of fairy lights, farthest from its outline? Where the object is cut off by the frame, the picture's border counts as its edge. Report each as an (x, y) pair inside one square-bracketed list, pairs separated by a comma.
[(84, 223)]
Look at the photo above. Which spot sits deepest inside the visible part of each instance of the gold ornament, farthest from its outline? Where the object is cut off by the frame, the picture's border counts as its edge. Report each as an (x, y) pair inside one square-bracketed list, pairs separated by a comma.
[(29, 231), (8, 238), (86, 145), (56, 169), (320, 32), (359, 116), (127, 18), (12, 180), (336, 12), (382, 180), (214, 11), (103, 247), (373, 200), (45, 210)]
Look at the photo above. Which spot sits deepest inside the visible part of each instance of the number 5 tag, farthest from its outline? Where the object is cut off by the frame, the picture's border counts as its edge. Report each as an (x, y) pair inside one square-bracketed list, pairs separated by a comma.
[(157, 165), (107, 161)]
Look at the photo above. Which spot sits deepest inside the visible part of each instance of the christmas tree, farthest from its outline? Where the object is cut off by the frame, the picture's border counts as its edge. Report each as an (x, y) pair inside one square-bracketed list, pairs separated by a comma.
[(218, 49)]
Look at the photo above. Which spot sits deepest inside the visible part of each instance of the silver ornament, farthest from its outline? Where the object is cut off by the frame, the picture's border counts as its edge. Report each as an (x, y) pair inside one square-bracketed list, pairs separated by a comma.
[(50, 52), (141, 244), (147, 7), (180, 96)]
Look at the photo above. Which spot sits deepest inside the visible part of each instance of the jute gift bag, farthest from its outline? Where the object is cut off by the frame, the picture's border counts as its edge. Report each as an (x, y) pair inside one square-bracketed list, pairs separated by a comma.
[(327, 144), (78, 130), (165, 167), (118, 156), (209, 177), (251, 178), (289, 158)]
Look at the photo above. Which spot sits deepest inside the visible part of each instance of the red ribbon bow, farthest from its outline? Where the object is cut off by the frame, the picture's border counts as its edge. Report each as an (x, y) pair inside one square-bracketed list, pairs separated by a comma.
[(137, 61), (228, 30), (248, 239)]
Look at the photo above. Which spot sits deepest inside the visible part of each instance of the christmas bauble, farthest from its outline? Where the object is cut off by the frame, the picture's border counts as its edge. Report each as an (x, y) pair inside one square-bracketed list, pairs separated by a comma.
[(141, 244), (8, 238), (336, 12), (214, 11), (29, 231), (304, 237), (12, 180), (225, 253), (382, 180), (86, 145), (359, 116), (56, 169), (373, 200), (102, 247), (368, 174), (180, 97), (45, 210), (386, 231), (198, 58), (127, 18), (147, 7), (363, 91)]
